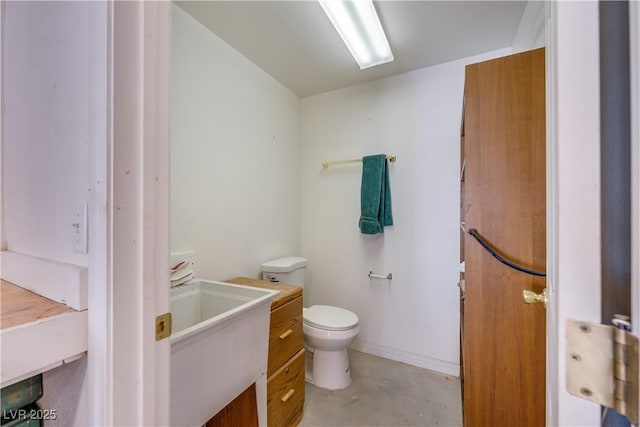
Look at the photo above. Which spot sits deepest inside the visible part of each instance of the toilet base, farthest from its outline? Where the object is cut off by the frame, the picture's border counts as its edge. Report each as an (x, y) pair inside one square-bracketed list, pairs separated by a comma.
[(328, 369)]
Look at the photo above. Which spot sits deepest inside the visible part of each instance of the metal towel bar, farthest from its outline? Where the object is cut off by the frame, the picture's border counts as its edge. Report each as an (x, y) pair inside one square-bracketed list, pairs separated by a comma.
[(392, 158)]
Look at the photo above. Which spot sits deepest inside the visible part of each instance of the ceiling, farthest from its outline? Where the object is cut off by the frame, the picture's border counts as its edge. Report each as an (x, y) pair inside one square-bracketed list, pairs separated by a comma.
[(296, 44)]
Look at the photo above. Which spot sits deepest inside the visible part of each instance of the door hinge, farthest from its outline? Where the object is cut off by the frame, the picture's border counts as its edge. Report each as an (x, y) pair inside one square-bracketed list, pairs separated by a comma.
[(602, 365), (163, 326)]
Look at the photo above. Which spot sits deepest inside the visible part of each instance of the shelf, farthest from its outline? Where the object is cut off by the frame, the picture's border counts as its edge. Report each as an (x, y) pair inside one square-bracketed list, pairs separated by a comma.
[(37, 334)]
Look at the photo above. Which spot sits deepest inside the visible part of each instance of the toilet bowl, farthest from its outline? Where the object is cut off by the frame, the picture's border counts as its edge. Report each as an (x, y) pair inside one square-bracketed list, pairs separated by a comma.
[(328, 330)]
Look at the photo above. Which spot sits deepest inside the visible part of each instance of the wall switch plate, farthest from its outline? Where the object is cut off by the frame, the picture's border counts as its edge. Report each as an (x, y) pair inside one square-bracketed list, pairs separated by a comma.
[(80, 230)]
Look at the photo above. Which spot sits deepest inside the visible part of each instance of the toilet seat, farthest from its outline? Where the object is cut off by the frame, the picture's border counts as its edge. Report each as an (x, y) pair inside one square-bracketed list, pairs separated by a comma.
[(329, 318)]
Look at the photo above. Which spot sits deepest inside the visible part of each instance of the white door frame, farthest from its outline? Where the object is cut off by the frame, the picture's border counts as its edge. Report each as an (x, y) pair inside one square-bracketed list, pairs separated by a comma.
[(573, 138), (129, 257), (573, 168), (130, 383)]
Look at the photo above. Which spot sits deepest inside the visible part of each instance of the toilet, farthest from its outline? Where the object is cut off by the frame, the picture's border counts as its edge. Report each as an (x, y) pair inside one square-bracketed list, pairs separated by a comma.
[(328, 330)]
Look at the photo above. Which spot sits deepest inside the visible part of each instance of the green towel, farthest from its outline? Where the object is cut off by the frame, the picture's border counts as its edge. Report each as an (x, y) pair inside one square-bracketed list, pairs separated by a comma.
[(375, 195)]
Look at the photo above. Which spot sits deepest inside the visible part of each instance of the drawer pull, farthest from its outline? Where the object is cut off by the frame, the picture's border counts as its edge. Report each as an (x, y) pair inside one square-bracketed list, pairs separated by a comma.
[(286, 334), (288, 395)]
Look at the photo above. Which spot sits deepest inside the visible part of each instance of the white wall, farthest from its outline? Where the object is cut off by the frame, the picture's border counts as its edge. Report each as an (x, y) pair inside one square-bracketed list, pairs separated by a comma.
[(47, 127), (235, 189), (50, 87), (416, 115), (531, 31), (61, 394)]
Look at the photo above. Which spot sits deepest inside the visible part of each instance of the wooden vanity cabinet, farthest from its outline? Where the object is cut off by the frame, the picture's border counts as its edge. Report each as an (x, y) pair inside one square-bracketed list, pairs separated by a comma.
[(285, 393), (243, 411), (286, 359)]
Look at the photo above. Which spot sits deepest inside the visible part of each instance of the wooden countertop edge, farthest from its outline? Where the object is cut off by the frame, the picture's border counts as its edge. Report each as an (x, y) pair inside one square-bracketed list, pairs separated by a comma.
[(287, 292), (21, 306)]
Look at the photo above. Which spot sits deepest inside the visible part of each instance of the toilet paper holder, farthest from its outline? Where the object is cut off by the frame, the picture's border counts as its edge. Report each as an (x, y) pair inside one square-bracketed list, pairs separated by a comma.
[(373, 275)]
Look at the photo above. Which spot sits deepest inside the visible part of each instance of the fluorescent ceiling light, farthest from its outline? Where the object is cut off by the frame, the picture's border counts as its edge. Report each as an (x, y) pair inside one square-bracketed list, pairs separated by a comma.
[(357, 23)]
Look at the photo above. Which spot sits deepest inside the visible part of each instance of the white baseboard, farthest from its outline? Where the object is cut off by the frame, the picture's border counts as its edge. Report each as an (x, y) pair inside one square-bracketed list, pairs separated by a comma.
[(436, 365), (61, 282)]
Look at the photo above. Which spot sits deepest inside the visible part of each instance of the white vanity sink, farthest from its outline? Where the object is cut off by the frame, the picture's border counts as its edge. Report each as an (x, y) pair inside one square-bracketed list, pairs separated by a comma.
[(219, 343)]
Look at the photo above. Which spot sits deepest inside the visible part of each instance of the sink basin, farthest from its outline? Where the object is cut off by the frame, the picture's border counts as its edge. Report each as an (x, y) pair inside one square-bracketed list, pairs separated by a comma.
[(219, 343)]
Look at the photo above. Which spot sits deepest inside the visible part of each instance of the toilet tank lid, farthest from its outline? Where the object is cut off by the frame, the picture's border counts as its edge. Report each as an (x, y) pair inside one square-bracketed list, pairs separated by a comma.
[(284, 265)]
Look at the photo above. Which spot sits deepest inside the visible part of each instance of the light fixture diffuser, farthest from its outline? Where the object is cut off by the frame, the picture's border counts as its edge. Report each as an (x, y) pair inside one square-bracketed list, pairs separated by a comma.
[(357, 23)]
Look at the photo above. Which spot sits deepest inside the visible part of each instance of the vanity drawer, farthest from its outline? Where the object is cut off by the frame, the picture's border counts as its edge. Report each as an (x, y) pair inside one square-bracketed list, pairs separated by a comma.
[(285, 335), (285, 393)]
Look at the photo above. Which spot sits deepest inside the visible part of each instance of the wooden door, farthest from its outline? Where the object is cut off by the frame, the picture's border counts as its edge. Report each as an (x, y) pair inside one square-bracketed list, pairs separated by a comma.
[(504, 339)]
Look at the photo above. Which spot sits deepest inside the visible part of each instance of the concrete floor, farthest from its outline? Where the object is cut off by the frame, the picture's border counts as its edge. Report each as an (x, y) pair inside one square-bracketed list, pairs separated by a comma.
[(385, 393)]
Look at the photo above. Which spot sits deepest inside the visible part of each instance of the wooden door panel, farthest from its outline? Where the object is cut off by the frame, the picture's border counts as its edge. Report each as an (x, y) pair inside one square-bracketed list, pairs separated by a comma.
[(504, 339)]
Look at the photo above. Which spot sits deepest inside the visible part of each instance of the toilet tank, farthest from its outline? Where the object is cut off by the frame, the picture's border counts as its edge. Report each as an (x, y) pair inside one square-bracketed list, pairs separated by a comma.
[(289, 270)]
